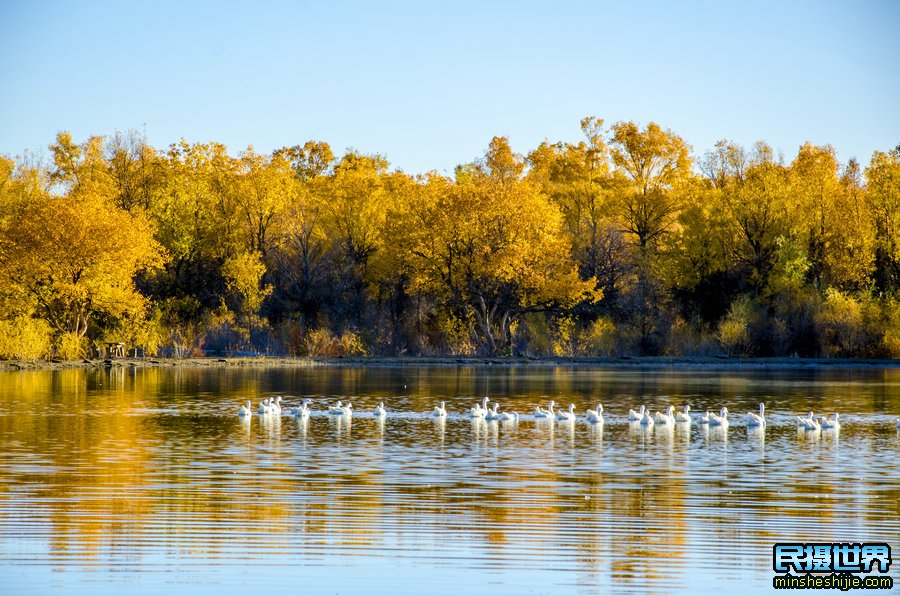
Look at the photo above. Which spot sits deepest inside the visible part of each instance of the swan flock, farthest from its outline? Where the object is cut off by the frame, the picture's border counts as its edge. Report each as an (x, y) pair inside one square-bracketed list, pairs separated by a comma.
[(488, 410)]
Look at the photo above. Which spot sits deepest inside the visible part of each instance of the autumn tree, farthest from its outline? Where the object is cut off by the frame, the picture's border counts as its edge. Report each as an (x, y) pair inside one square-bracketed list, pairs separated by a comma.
[(883, 201), (303, 263), (135, 169), (75, 258), (577, 179), (314, 158), (698, 266), (757, 207), (833, 223), (491, 248), (353, 204), (81, 168), (243, 275), (259, 190), (650, 165), (197, 230)]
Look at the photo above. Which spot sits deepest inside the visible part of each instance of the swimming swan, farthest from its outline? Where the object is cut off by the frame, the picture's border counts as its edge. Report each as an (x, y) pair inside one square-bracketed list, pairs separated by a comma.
[(595, 416), (245, 410), (303, 410), (808, 423), (481, 411), (684, 416), (705, 418), (439, 411), (493, 413), (511, 416), (831, 422), (542, 413), (667, 419), (757, 419), (337, 409), (566, 416), (379, 411), (720, 420), (647, 420), (636, 416)]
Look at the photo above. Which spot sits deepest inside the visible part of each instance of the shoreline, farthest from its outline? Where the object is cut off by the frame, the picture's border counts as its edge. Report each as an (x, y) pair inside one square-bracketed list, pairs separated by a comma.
[(453, 361)]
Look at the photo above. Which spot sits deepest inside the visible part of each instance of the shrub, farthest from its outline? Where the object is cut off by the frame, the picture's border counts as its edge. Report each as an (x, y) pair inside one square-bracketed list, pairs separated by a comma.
[(564, 338), (71, 346), (734, 329), (841, 325), (533, 334), (690, 339), (891, 338), (25, 338), (598, 338), (322, 342), (137, 332)]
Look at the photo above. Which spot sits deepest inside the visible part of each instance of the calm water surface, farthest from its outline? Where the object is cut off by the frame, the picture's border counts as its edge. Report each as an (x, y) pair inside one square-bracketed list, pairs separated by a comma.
[(145, 481)]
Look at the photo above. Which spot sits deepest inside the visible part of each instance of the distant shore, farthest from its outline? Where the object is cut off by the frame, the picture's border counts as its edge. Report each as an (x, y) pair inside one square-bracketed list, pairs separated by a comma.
[(452, 361)]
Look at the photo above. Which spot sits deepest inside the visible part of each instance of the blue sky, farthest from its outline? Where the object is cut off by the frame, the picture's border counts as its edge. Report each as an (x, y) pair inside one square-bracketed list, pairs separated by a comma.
[(428, 85)]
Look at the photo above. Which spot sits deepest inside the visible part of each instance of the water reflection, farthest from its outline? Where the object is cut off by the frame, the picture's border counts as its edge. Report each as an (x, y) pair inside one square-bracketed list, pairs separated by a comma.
[(150, 470)]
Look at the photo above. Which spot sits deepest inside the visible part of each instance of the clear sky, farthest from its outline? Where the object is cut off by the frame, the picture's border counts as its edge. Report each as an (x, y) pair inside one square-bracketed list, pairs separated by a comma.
[(428, 84)]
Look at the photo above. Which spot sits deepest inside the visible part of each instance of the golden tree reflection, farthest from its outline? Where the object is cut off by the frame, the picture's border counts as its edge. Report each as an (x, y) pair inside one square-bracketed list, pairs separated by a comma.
[(126, 460)]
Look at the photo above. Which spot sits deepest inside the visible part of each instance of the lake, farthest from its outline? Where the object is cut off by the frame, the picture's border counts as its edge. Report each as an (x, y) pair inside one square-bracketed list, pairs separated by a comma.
[(146, 481)]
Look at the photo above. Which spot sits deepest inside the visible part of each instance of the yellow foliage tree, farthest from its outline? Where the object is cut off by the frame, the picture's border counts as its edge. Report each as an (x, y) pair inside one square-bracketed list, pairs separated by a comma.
[(576, 178), (832, 220), (651, 164), (75, 258), (491, 248), (883, 202), (243, 275)]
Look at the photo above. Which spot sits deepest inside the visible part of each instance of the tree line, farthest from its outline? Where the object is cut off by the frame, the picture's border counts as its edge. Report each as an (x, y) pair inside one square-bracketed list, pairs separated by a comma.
[(622, 243)]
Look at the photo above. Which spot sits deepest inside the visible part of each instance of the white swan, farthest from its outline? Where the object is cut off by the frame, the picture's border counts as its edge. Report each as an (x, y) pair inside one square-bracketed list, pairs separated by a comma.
[(667, 419), (275, 404), (705, 418), (479, 411), (831, 422), (684, 416), (347, 410), (808, 423), (757, 419), (566, 416), (595, 416), (303, 410), (636, 416), (439, 411), (246, 410), (542, 413), (511, 416), (720, 420), (898, 424), (264, 407), (379, 411), (492, 413), (647, 420)]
